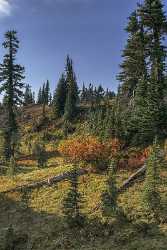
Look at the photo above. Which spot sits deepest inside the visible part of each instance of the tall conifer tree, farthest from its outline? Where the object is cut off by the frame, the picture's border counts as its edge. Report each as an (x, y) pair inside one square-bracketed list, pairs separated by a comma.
[(155, 22), (133, 64), (72, 91), (133, 69), (39, 98), (142, 101), (43, 94), (59, 98), (28, 95), (47, 92), (11, 78), (151, 195), (110, 207)]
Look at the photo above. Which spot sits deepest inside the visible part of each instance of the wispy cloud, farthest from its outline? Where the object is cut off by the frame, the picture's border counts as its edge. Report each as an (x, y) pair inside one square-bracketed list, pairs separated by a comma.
[(5, 8)]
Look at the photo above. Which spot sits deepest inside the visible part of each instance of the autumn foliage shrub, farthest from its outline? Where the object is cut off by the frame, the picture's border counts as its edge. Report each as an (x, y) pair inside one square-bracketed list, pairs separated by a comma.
[(89, 149), (134, 158)]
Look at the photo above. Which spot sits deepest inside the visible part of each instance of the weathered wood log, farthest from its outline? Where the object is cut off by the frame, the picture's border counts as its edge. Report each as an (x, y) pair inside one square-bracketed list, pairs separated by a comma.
[(49, 182), (128, 183), (65, 176), (131, 180)]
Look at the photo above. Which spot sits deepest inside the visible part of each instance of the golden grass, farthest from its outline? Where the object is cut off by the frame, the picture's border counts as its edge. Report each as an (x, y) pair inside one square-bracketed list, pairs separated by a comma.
[(7, 183), (43, 218)]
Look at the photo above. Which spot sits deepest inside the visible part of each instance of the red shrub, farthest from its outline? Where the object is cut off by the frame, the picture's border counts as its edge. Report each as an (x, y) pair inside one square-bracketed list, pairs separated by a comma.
[(134, 158), (88, 149)]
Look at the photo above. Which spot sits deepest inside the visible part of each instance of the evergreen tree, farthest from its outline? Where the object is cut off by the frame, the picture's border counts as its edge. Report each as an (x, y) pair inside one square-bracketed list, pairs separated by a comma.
[(99, 95), (69, 111), (11, 78), (91, 95), (47, 92), (72, 91), (109, 96), (59, 98), (133, 70), (110, 206), (83, 94), (43, 94), (140, 125), (151, 196), (44, 99), (73, 203), (98, 122), (142, 104), (133, 65), (155, 22), (119, 116), (28, 95), (39, 100)]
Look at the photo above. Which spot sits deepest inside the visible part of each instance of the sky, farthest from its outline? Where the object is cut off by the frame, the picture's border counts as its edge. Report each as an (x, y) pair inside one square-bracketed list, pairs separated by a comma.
[(90, 31)]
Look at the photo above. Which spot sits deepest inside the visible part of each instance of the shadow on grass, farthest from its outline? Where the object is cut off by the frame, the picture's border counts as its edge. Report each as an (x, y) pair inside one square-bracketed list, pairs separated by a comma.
[(32, 157), (41, 231)]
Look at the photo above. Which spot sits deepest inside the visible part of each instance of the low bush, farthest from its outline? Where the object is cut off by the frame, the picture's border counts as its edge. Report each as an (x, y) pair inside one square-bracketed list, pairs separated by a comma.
[(89, 149), (134, 158)]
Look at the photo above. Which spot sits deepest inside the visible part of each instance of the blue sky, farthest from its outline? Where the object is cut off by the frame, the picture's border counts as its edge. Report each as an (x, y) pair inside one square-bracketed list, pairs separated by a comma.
[(90, 31)]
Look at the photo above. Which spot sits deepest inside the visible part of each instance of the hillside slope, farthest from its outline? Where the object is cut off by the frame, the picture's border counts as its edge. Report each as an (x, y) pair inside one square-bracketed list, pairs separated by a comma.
[(37, 218)]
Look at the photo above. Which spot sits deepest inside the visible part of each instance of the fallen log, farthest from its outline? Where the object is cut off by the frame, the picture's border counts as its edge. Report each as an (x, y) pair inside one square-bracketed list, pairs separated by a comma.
[(48, 182), (128, 183), (131, 180), (67, 175)]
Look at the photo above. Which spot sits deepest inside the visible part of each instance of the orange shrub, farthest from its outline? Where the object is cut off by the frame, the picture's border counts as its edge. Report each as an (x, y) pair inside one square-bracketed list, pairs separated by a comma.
[(134, 158), (114, 146), (88, 149)]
